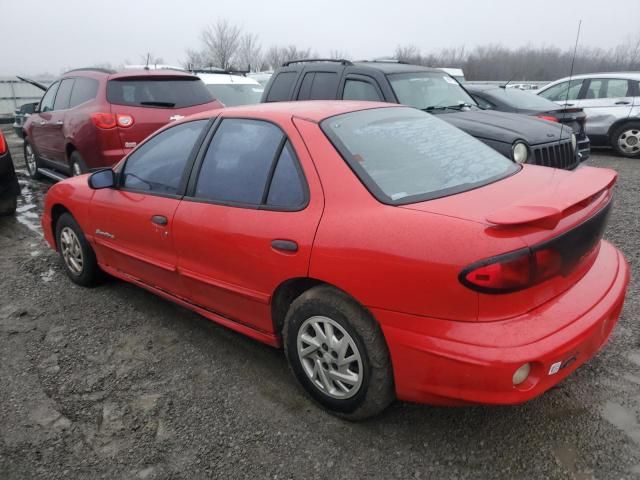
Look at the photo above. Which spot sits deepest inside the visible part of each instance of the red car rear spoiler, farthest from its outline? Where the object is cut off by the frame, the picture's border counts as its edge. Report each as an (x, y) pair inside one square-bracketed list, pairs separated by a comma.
[(547, 207)]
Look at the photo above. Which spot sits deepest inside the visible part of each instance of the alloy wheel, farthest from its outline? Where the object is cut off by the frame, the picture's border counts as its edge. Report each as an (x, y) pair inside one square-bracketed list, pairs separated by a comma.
[(629, 141), (71, 250), (330, 357)]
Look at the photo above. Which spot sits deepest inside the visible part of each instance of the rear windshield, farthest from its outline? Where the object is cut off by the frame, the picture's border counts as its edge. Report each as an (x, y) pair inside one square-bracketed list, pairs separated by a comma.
[(516, 98), (158, 92), (237, 94), (403, 155)]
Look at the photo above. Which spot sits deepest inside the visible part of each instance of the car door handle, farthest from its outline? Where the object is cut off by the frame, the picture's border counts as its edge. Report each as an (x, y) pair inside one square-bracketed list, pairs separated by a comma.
[(623, 102), (284, 245), (159, 220), (42, 122), (59, 122)]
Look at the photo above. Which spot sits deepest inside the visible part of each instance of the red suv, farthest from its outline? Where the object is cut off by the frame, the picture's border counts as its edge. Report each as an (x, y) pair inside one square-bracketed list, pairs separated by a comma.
[(91, 118)]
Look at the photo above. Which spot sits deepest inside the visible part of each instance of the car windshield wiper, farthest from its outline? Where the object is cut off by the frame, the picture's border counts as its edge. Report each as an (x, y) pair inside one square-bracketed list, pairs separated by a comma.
[(460, 106), (434, 107), (158, 104)]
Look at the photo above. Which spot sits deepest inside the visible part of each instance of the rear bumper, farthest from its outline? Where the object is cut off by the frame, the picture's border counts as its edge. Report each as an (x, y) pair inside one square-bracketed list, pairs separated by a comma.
[(453, 369)]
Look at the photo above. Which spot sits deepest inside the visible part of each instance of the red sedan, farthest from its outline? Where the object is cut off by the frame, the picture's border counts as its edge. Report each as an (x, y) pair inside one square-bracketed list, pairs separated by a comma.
[(391, 254)]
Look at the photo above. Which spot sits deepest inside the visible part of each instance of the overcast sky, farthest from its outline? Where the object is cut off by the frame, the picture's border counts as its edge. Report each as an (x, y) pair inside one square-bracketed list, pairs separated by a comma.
[(51, 36)]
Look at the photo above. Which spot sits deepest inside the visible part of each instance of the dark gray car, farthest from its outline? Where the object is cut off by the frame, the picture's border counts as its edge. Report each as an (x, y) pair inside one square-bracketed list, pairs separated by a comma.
[(519, 137)]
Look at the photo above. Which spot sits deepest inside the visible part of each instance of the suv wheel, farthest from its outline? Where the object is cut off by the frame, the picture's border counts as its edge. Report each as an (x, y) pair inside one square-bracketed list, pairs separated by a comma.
[(78, 258), (78, 167), (626, 140), (338, 354), (31, 160)]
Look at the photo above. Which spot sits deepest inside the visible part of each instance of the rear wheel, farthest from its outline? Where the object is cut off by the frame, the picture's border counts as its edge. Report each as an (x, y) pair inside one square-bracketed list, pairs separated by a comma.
[(31, 160), (626, 140), (78, 258), (78, 166), (338, 354), (8, 205)]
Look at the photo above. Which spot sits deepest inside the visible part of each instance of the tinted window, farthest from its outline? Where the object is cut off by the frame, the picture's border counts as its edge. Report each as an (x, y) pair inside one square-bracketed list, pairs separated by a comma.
[(324, 86), (236, 94), (237, 164), (281, 87), (64, 92), (358, 90), (558, 92), (159, 92), (516, 98), (84, 89), (305, 87), (404, 155), (158, 165), (286, 188), (46, 104)]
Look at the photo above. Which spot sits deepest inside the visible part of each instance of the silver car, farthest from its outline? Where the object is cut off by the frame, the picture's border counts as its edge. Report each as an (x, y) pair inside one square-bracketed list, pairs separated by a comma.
[(611, 102)]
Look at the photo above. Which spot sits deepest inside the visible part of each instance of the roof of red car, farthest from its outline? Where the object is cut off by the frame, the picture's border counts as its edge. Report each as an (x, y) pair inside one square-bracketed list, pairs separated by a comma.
[(314, 110)]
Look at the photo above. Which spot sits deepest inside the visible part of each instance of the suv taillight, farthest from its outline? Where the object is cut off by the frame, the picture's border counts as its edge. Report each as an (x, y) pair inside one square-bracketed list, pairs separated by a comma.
[(512, 271), (107, 121), (3, 144)]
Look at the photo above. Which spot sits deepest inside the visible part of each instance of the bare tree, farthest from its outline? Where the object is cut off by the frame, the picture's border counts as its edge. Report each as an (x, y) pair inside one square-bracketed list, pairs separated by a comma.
[(249, 53), (276, 56), (339, 55), (221, 42)]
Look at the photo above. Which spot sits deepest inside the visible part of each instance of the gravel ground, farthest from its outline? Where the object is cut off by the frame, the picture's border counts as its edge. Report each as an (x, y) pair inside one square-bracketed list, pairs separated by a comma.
[(114, 382)]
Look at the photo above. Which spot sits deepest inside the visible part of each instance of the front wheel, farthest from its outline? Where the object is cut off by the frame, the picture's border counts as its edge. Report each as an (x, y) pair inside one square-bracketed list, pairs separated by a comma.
[(31, 160), (338, 354), (626, 140), (78, 258)]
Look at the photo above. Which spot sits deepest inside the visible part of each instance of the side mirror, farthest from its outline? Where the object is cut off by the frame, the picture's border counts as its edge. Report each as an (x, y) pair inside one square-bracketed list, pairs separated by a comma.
[(105, 178)]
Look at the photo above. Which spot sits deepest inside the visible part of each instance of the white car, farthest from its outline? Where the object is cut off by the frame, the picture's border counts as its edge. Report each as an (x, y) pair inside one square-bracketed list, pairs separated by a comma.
[(611, 102), (261, 77), (232, 89)]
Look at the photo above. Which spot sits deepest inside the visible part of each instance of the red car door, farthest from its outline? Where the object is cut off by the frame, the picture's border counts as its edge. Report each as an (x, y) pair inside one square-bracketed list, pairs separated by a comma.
[(133, 224), (55, 127), (39, 130), (248, 221)]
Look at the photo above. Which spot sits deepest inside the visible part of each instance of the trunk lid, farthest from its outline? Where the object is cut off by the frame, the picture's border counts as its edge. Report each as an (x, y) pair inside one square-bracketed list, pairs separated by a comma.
[(154, 101), (547, 209)]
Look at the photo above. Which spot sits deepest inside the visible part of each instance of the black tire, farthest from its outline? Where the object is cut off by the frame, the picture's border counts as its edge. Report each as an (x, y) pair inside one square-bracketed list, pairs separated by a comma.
[(628, 135), (76, 159), (89, 272), (8, 205), (376, 390), (32, 166)]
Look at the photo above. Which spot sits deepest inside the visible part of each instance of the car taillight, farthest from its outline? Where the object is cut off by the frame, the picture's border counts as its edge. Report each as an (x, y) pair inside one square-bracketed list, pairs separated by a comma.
[(107, 121), (3, 144), (548, 118), (512, 271)]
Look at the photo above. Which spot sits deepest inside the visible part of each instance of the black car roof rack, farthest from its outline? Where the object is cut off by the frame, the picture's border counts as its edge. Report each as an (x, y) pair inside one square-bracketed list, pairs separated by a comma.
[(218, 70), (385, 60), (91, 69), (305, 60)]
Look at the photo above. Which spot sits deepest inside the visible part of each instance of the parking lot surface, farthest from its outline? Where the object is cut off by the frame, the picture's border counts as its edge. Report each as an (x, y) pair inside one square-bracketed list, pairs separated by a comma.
[(114, 382)]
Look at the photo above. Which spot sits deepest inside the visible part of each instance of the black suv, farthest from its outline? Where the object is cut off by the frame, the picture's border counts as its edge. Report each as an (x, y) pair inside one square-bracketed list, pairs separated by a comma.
[(518, 137)]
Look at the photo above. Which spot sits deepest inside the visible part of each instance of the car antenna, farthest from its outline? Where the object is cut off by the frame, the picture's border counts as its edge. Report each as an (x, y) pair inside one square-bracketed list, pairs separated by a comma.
[(146, 67), (505, 85), (573, 60)]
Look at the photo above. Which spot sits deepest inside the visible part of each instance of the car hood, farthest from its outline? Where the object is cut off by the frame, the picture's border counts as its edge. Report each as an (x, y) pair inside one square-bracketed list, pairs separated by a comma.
[(505, 127)]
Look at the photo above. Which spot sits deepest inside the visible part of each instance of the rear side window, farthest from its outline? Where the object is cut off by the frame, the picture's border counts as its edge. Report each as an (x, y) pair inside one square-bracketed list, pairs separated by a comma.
[(607, 88), (238, 162), (158, 92), (286, 190), (403, 155), (281, 87), (324, 86), (64, 92), (84, 89), (359, 90), (158, 165)]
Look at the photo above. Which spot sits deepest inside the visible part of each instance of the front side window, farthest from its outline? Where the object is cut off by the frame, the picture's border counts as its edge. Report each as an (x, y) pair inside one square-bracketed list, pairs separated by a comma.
[(558, 93), (64, 92), (359, 90), (46, 104), (404, 156), (158, 165), (158, 92), (238, 162), (426, 90)]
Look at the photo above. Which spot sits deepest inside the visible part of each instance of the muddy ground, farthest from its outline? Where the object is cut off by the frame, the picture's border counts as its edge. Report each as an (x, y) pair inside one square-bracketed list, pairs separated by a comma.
[(113, 382)]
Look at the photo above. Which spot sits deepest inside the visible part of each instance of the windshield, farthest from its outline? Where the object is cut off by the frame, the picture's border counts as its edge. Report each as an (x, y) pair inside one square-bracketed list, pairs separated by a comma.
[(160, 92), (237, 94), (428, 89), (516, 98), (403, 155)]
